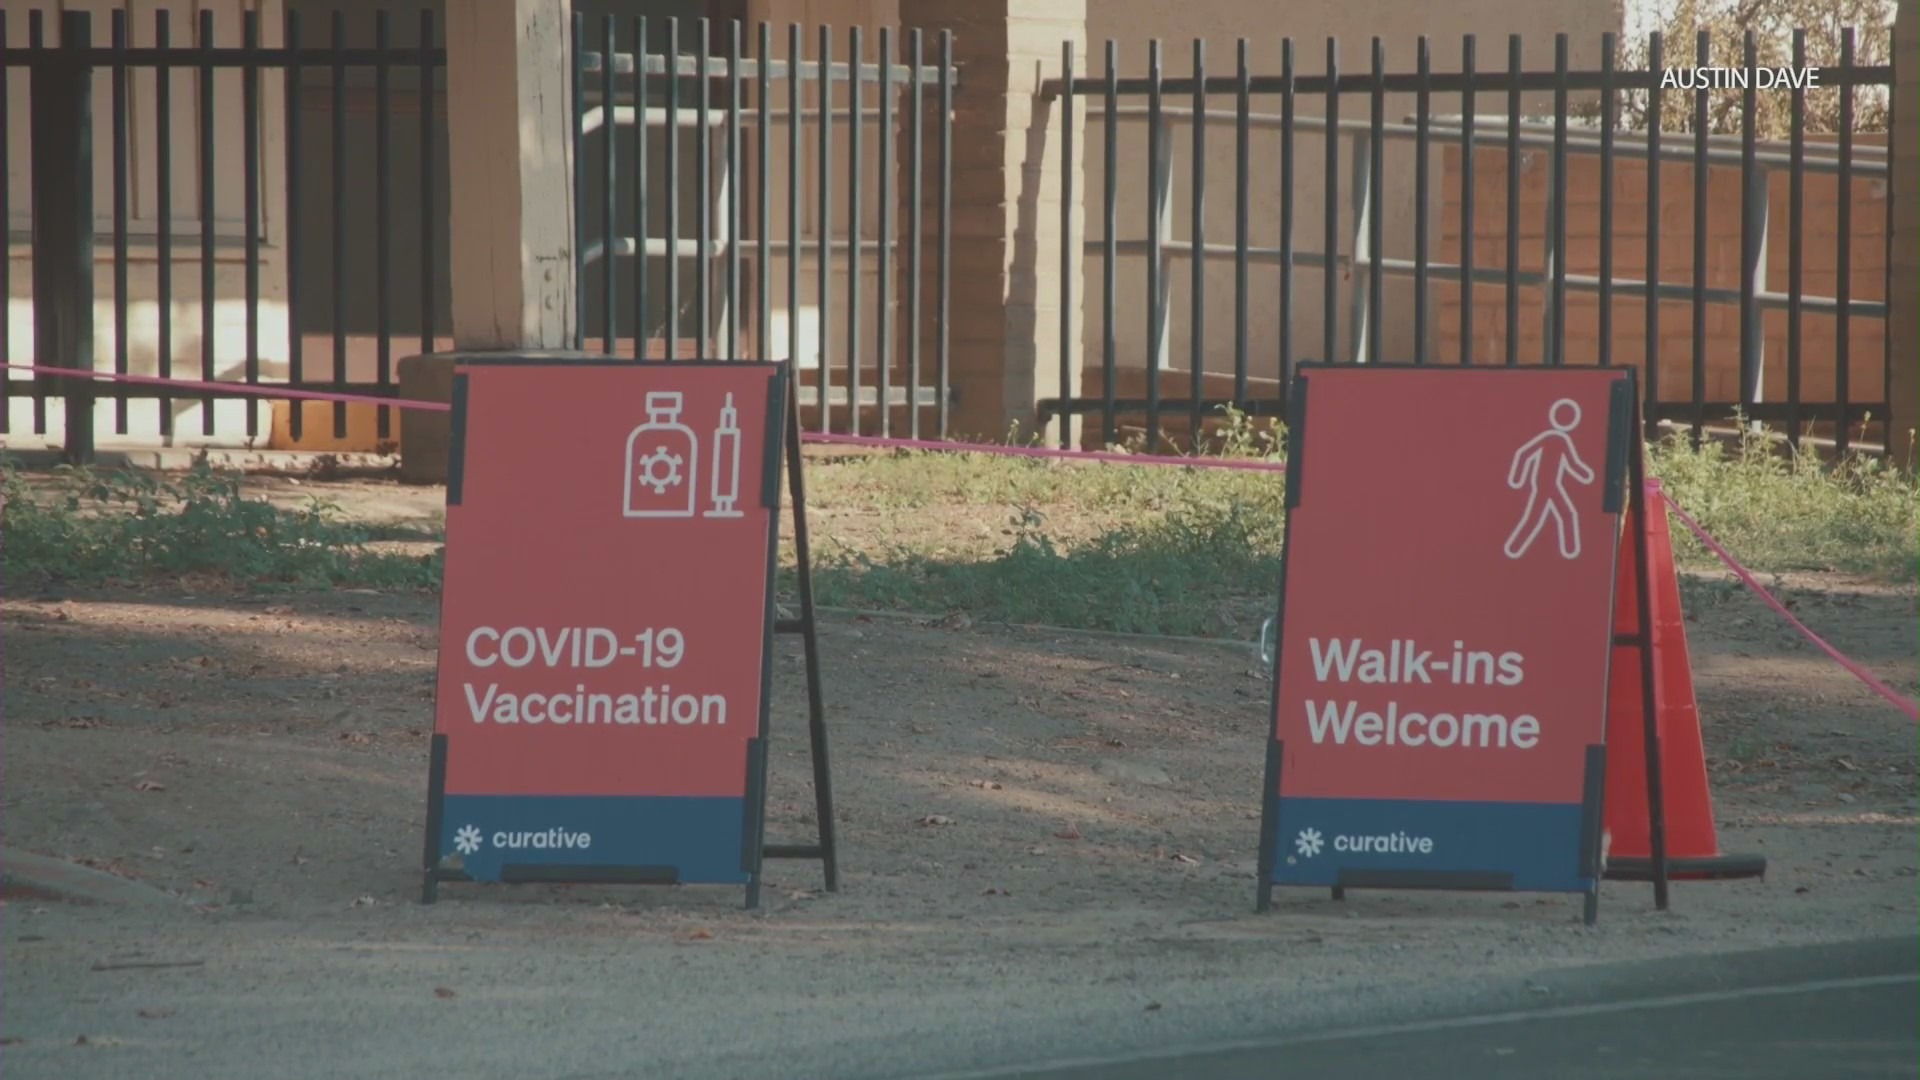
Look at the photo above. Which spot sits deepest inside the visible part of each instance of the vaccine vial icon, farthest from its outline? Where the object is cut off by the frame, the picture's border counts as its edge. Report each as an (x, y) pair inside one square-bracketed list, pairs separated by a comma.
[(662, 462), (726, 464)]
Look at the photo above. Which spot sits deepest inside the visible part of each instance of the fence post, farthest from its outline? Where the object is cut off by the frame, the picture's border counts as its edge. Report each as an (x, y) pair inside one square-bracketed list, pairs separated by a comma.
[(62, 156), (1903, 273), (1008, 179), (511, 124)]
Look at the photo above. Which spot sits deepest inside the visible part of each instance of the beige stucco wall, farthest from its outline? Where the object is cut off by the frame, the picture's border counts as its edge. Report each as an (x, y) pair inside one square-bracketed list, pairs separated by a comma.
[(1134, 23), (144, 346)]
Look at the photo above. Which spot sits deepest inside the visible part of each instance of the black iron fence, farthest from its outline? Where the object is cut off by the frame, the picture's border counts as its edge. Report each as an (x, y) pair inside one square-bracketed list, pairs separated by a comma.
[(310, 254), (1581, 237), (739, 258), (267, 206)]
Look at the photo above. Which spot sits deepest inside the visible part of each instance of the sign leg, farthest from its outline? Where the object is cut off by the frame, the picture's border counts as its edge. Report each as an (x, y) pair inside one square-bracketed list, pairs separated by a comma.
[(436, 792), (1649, 700), (816, 709)]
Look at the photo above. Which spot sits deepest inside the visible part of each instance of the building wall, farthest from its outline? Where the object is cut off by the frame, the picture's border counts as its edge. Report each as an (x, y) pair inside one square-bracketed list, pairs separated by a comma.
[(189, 347)]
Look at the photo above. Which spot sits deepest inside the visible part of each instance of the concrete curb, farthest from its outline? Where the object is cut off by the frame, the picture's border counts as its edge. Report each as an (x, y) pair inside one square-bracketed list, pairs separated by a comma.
[(60, 880)]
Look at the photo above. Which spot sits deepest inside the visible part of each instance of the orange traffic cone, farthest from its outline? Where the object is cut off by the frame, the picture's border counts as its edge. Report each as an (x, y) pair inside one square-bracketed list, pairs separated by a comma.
[(1693, 851)]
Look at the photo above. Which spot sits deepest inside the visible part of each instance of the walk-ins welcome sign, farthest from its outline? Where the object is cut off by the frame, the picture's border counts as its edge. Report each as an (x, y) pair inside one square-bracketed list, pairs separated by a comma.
[(605, 622), (1441, 665)]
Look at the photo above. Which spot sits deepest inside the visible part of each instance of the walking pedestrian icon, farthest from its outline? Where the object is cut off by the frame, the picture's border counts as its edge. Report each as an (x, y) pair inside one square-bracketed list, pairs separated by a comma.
[(1551, 450)]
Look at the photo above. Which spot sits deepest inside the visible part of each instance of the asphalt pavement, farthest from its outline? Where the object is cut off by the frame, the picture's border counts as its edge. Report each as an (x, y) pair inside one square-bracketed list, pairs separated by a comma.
[(1790, 1014)]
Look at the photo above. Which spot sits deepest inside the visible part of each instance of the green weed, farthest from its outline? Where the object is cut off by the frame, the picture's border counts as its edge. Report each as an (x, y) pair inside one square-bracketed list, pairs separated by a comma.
[(1162, 549), (93, 526)]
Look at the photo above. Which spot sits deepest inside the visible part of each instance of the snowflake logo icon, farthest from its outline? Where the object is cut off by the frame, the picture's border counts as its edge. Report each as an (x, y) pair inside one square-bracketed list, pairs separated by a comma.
[(1308, 842), (467, 840)]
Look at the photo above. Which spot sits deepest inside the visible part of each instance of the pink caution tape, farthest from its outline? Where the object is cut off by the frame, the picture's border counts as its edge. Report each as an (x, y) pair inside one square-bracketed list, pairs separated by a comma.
[(1746, 577), (257, 389)]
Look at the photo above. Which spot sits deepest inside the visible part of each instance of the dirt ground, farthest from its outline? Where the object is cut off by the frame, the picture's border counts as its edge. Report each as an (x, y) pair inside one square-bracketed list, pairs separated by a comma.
[(1037, 796)]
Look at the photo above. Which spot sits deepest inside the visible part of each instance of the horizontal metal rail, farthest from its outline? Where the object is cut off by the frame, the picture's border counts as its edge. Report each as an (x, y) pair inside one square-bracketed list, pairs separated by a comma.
[(1436, 83), (1491, 130), (691, 67), (1678, 291)]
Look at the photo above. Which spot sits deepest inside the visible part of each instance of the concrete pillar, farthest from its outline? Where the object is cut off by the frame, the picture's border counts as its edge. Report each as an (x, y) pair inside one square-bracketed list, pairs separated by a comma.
[(1008, 166), (510, 167), (1904, 326), (510, 147)]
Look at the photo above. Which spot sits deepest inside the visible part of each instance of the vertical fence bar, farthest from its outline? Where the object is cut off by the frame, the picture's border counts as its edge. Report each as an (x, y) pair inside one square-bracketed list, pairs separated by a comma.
[(577, 95), (1609, 119), (1156, 192), (6, 264), (1469, 156), (1557, 344), (61, 165), (671, 129), (118, 31), (883, 306), (823, 229), (1550, 253), (1656, 58), (1242, 184), (642, 185), (209, 329), (1109, 239), (1843, 293), (1330, 237), (35, 40), (1422, 149), (250, 149), (163, 206), (1197, 264), (339, 194), (703, 189), (763, 136), (734, 183), (1515, 163), (1753, 243), (1287, 220), (1895, 116), (856, 58), (383, 212), (1702, 57), (916, 139), (429, 263), (1796, 206), (1376, 190), (1066, 246), (1287, 149), (795, 123), (610, 188), (296, 346), (941, 357)]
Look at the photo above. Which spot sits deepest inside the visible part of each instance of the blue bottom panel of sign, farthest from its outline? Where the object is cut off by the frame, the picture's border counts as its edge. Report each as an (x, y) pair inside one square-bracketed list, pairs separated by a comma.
[(1528, 847), (698, 838)]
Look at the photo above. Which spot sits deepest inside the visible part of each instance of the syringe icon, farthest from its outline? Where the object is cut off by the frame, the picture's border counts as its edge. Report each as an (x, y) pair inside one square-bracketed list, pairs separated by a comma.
[(726, 464)]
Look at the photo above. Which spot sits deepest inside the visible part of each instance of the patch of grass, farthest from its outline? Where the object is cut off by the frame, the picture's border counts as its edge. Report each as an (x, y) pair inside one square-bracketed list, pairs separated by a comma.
[(1197, 551), (1778, 512), (96, 526), (1161, 549)]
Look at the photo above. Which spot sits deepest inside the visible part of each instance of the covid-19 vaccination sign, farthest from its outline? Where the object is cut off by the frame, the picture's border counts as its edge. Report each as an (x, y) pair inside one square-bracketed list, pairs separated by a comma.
[(605, 621), (1441, 665)]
